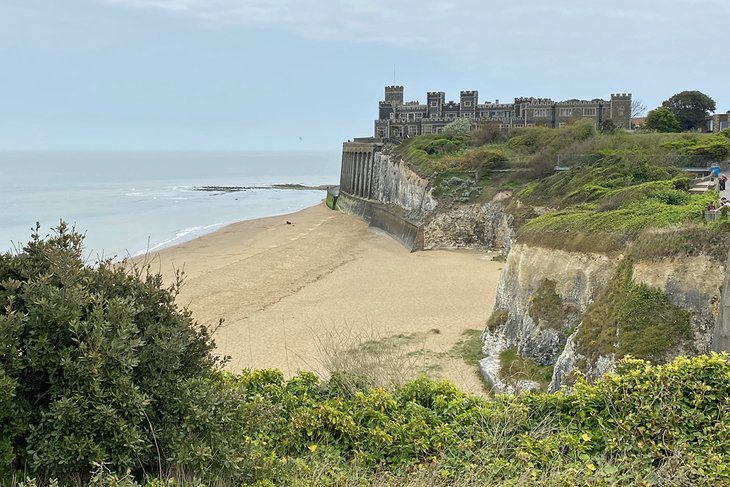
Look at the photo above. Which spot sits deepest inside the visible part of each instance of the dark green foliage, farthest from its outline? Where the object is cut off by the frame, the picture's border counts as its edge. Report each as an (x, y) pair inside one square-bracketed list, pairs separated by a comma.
[(629, 318), (608, 127), (662, 120), (94, 358), (715, 147), (591, 183), (690, 108), (605, 205), (100, 367), (707, 148), (424, 153), (664, 425)]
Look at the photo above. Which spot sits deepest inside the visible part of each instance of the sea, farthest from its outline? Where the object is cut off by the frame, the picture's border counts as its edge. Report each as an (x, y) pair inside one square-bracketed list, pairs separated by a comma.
[(129, 203)]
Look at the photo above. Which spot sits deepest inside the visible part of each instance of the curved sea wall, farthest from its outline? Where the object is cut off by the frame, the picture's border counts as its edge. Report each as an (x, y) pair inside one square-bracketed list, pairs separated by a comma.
[(369, 173), (381, 189)]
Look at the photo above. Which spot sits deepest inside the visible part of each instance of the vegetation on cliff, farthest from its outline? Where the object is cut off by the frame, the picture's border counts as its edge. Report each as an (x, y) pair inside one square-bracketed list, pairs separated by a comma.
[(618, 185), (105, 381), (633, 319)]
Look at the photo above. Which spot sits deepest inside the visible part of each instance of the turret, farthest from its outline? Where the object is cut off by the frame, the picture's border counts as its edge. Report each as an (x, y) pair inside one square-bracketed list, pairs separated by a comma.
[(621, 109), (468, 101), (394, 95), (435, 102)]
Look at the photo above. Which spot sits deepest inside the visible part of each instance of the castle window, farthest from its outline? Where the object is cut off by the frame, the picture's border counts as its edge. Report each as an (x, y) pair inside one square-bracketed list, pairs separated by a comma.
[(467, 103), (412, 130), (540, 112), (589, 112), (434, 103), (434, 115), (419, 116), (451, 116), (566, 112), (467, 115)]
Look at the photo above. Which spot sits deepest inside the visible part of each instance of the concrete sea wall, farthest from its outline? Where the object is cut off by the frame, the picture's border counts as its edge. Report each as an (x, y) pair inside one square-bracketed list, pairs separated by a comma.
[(380, 188)]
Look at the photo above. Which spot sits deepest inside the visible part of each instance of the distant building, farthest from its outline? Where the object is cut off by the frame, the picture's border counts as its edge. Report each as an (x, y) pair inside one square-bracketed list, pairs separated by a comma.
[(638, 122), (397, 119), (716, 122)]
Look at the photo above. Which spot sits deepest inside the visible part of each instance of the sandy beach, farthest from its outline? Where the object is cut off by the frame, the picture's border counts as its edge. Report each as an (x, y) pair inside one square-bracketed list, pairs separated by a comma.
[(301, 295)]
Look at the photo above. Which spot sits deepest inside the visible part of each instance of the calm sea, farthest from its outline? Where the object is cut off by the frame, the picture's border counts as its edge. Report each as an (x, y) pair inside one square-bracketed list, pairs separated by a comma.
[(128, 202)]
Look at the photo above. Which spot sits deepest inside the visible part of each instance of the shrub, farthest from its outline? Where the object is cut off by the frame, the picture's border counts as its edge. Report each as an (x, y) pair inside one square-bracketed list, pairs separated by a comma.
[(488, 133), (91, 359)]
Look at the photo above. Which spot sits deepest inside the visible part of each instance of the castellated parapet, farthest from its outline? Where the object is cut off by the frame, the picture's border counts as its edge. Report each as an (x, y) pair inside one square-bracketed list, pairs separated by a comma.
[(397, 120)]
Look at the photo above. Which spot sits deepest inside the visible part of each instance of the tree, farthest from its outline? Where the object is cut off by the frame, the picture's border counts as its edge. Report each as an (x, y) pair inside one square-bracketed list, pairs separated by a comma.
[(690, 108), (607, 126), (662, 120), (637, 108)]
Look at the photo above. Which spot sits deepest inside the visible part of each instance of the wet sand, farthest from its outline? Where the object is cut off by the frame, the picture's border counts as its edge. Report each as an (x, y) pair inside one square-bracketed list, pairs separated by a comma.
[(291, 294)]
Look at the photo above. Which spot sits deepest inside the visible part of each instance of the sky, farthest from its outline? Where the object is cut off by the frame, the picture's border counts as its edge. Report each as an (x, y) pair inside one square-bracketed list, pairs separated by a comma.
[(308, 74)]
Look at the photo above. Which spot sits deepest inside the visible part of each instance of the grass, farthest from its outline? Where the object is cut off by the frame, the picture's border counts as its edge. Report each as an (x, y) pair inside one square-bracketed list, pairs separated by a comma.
[(469, 348), (515, 368), (590, 227), (712, 240), (629, 318)]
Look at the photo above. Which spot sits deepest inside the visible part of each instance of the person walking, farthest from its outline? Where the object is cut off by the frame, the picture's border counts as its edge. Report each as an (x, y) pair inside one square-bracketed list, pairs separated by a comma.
[(723, 182)]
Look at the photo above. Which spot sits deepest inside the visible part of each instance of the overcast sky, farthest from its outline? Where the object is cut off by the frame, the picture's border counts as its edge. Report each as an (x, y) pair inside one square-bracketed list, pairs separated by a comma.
[(307, 74)]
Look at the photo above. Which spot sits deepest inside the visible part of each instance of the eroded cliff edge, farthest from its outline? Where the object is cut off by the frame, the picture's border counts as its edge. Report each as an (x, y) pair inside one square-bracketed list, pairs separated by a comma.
[(559, 312)]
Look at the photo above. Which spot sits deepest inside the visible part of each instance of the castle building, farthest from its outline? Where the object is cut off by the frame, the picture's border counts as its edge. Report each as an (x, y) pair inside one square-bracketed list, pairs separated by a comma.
[(399, 119), (717, 122)]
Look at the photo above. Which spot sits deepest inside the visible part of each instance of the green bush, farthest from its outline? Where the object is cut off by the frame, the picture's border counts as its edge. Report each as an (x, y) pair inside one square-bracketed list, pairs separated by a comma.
[(91, 360), (104, 381)]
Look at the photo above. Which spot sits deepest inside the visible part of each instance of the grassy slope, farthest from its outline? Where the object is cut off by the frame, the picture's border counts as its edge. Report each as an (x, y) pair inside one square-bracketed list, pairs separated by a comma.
[(621, 185)]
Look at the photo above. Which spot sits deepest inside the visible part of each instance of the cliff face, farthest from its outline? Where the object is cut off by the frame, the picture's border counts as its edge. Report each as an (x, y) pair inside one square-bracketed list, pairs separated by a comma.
[(573, 311), (484, 226), (542, 294)]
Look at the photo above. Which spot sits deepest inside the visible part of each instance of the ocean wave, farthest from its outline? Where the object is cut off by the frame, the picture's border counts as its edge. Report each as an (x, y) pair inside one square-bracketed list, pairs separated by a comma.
[(181, 236)]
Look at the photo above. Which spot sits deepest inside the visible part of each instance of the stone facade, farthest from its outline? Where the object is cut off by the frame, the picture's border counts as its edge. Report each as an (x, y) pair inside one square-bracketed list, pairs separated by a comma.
[(717, 122), (398, 119)]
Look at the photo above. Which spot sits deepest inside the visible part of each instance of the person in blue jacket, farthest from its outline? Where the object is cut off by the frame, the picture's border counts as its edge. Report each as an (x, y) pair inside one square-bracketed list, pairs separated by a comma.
[(714, 171)]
